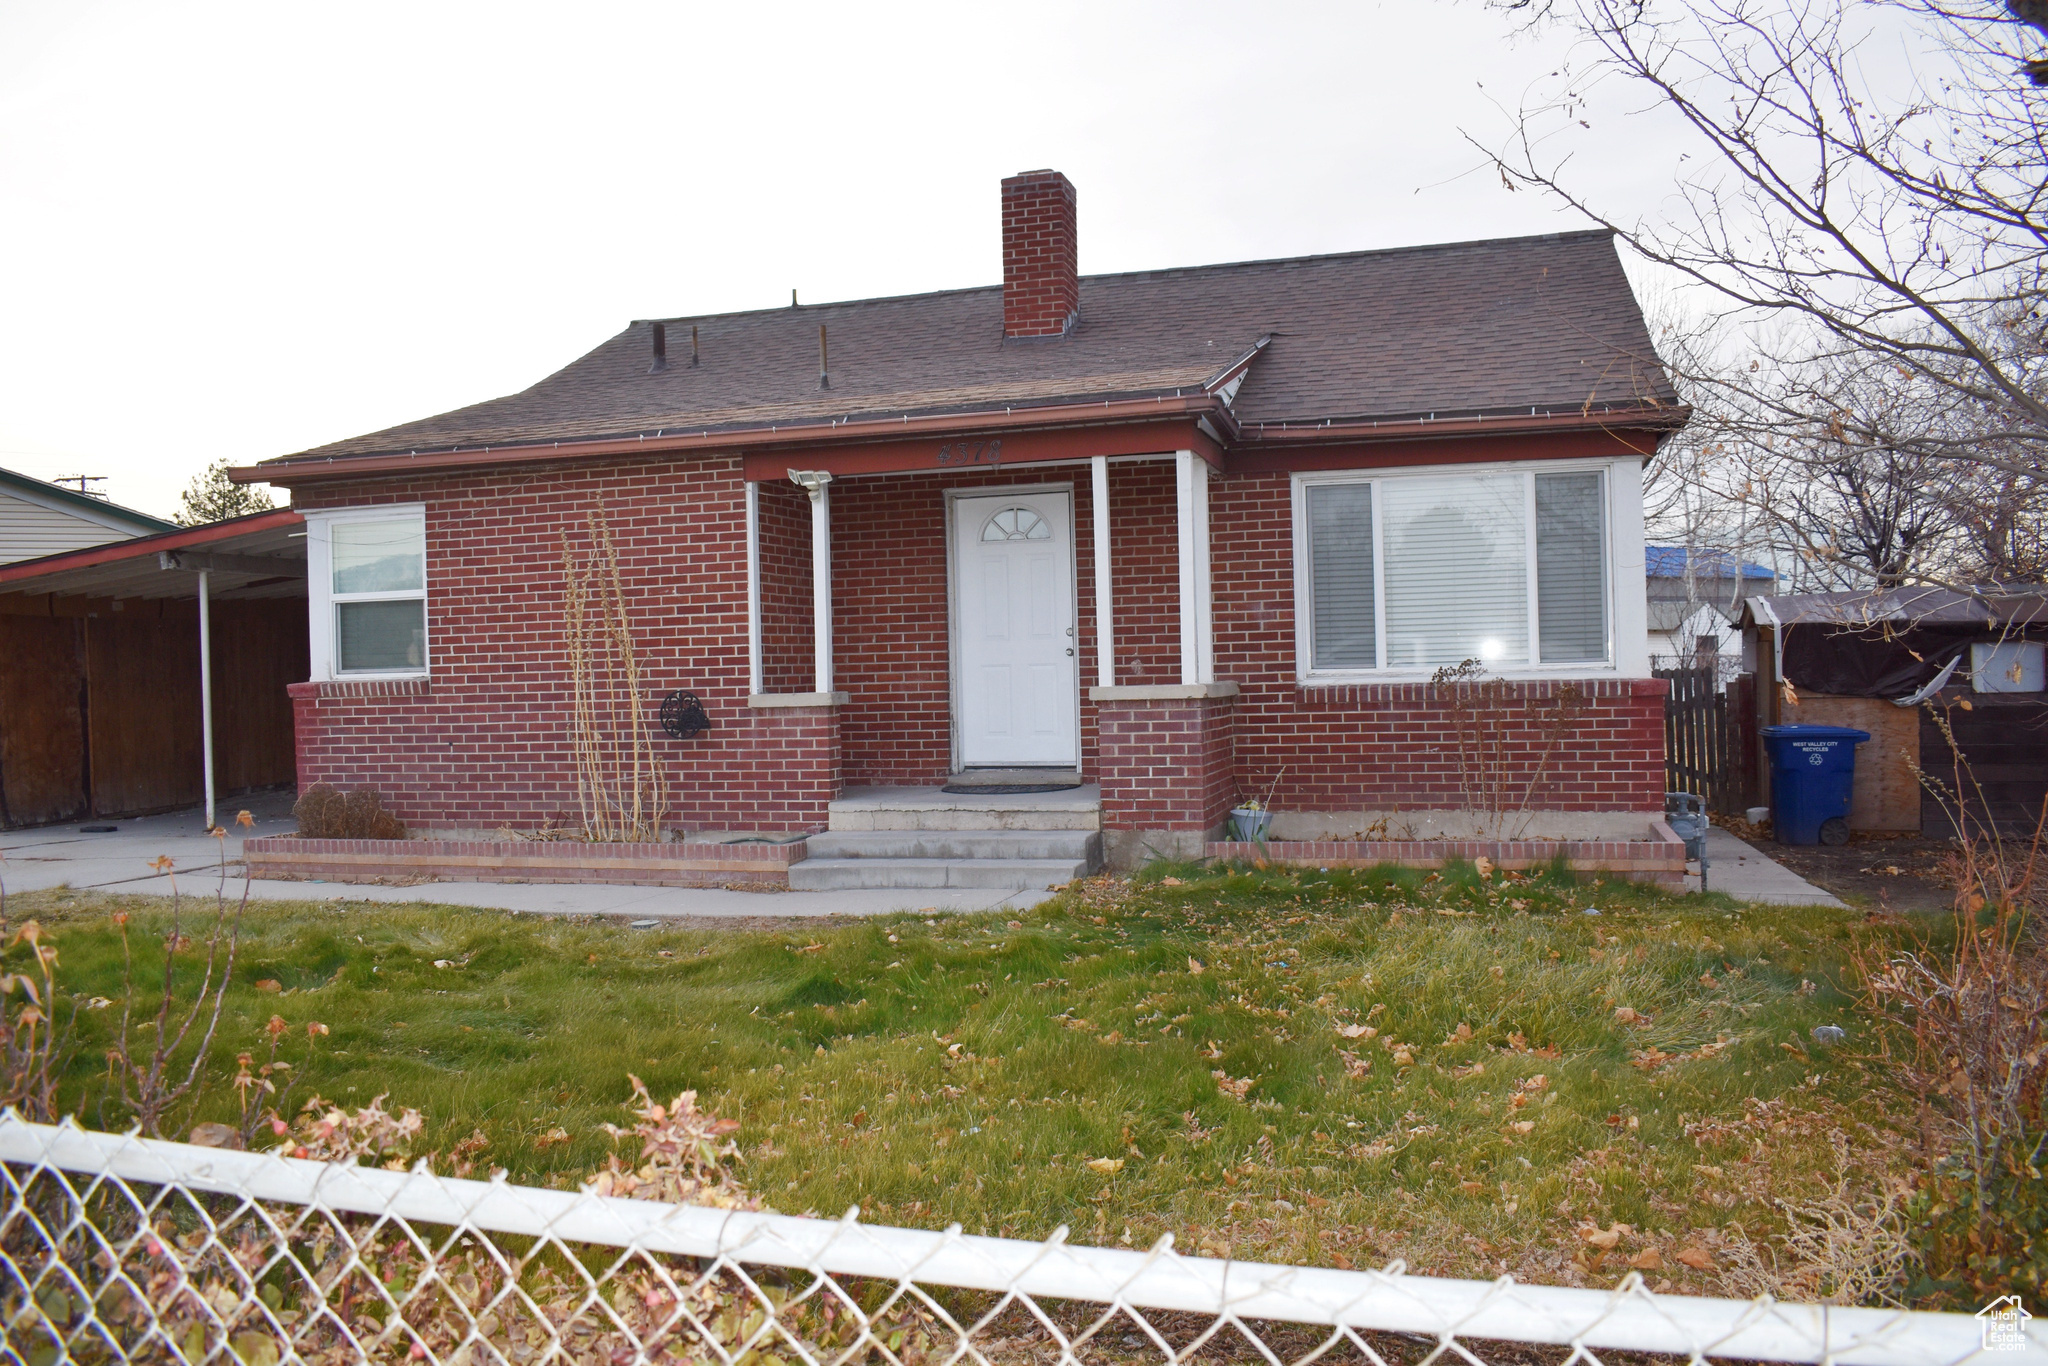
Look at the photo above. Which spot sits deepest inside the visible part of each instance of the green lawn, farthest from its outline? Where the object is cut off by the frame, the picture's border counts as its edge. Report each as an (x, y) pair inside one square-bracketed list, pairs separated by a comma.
[(1498, 1104)]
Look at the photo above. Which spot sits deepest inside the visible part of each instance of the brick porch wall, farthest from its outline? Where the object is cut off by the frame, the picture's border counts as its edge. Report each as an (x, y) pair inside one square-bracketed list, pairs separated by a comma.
[(1167, 764)]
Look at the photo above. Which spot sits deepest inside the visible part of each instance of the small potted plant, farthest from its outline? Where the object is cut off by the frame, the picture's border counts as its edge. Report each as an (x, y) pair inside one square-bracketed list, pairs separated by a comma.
[(1250, 821)]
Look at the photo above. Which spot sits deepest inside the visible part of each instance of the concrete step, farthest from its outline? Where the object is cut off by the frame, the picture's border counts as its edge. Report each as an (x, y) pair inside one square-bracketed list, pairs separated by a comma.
[(927, 808), (838, 874), (1085, 845), (993, 777)]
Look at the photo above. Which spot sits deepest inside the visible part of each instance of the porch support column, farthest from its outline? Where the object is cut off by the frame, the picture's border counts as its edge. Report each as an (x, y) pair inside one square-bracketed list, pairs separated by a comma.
[(1197, 631), (815, 483), (206, 690), (754, 665), (1105, 622)]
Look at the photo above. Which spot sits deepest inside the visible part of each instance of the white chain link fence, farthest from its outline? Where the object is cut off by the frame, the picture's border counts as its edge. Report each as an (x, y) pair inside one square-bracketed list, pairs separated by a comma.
[(117, 1248)]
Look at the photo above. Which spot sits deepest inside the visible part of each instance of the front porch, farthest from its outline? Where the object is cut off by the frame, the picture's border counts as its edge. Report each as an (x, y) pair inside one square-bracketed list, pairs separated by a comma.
[(908, 628)]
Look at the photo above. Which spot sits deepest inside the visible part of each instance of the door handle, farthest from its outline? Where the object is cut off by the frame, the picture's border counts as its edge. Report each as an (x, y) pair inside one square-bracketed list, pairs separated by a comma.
[(1070, 649)]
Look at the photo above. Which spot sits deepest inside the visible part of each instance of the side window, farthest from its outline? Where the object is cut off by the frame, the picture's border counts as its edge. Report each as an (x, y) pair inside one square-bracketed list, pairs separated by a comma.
[(373, 593)]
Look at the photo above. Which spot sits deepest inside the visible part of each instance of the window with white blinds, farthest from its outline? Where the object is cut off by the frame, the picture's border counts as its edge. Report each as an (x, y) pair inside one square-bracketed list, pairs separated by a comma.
[(1340, 555), (367, 591), (1571, 573), (1413, 572)]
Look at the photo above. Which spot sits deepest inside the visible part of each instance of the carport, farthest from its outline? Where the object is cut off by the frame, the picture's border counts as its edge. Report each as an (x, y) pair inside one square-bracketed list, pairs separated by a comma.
[(150, 674)]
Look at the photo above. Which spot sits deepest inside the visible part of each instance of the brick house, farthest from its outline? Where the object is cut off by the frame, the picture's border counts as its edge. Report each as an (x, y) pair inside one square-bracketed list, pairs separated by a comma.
[(1184, 534)]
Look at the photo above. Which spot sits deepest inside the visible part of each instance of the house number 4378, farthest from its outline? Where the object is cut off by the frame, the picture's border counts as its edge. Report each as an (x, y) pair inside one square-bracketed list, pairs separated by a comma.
[(971, 453)]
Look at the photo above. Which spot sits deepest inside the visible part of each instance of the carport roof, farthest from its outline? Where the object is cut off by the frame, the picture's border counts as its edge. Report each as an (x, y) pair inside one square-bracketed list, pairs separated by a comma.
[(262, 555)]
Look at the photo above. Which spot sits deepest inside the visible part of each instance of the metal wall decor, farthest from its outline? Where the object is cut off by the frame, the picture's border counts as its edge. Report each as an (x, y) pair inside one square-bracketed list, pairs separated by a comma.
[(682, 715)]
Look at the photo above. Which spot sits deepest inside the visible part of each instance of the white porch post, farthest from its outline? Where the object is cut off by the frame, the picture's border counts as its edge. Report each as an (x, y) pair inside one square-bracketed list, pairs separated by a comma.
[(206, 691), (815, 483), (1197, 642), (1105, 622), (754, 667)]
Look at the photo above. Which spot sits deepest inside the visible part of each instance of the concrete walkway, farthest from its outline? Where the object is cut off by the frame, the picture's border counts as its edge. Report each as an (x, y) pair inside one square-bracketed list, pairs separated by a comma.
[(119, 861), (1748, 874)]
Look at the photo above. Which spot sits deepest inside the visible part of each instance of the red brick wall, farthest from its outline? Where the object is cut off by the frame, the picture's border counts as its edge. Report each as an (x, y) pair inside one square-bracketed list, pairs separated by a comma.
[(788, 663), (1388, 746), (1167, 765), (890, 606), (1041, 262), (487, 741)]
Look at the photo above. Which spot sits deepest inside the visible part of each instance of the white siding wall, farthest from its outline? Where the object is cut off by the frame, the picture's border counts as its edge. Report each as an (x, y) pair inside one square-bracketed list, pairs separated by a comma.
[(30, 529)]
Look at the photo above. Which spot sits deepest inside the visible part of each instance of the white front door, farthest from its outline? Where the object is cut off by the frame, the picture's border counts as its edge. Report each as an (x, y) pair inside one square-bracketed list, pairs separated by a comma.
[(1018, 681)]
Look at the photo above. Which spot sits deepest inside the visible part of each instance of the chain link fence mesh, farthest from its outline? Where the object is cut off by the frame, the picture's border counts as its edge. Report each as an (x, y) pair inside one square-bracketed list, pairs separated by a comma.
[(118, 1248)]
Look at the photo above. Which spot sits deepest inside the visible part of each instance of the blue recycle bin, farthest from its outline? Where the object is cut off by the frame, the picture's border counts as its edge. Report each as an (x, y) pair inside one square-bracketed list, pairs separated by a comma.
[(1812, 768)]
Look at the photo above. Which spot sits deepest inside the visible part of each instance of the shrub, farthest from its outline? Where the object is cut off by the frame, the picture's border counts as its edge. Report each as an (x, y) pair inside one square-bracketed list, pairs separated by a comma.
[(324, 813)]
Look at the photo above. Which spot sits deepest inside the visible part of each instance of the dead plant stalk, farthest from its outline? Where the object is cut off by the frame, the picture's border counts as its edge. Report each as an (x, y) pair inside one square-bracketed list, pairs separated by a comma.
[(148, 1088), (619, 782)]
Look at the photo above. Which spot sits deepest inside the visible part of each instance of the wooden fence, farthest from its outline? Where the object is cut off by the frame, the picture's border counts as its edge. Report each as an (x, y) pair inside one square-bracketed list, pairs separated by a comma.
[(1700, 752)]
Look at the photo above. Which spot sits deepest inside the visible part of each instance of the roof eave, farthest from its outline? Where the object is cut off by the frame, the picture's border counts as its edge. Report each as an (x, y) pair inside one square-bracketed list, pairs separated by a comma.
[(1662, 420), (292, 470)]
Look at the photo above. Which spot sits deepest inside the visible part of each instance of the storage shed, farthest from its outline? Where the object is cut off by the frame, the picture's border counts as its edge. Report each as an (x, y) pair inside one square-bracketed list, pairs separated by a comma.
[(1915, 667), (105, 654)]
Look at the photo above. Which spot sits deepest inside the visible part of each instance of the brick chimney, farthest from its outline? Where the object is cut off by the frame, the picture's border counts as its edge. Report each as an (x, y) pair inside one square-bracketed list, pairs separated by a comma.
[(1041, 267)]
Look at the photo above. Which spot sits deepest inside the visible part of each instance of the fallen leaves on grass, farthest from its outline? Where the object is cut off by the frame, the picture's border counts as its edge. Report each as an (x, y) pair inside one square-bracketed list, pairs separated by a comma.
[(553, 1138), (1195, 965), (1108, 1166), (1357, 1031), (1697, 1258), (1628, 1015), (1234, 1087), (270, 984), (1355, 1067)]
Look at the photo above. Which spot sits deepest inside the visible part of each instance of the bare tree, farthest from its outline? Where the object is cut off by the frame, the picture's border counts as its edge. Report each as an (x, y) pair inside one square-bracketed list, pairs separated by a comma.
[(1876, 230)]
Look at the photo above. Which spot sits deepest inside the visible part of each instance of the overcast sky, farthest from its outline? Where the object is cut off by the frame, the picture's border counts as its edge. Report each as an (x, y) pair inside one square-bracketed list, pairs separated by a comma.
[(243, 230)]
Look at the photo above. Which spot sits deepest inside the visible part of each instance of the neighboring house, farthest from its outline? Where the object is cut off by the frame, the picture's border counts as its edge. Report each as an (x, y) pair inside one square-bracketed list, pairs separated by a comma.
[(1695, 599), (38, 518), (1188, 534)]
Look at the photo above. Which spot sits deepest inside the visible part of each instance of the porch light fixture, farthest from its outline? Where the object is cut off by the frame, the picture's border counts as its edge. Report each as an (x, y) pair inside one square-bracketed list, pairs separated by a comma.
[(811, 481)]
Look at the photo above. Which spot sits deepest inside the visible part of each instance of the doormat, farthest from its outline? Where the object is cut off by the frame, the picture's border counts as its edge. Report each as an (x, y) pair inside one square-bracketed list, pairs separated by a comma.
[(1005, 789)]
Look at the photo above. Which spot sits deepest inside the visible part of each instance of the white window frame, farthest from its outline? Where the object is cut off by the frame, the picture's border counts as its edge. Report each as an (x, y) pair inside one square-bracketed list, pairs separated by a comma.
[(322, 601), (1622, 507)]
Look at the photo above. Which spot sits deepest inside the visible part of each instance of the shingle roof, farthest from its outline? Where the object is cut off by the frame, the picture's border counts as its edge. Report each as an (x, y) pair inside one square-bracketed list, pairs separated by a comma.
[(2022, 605), (1545, 323)]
